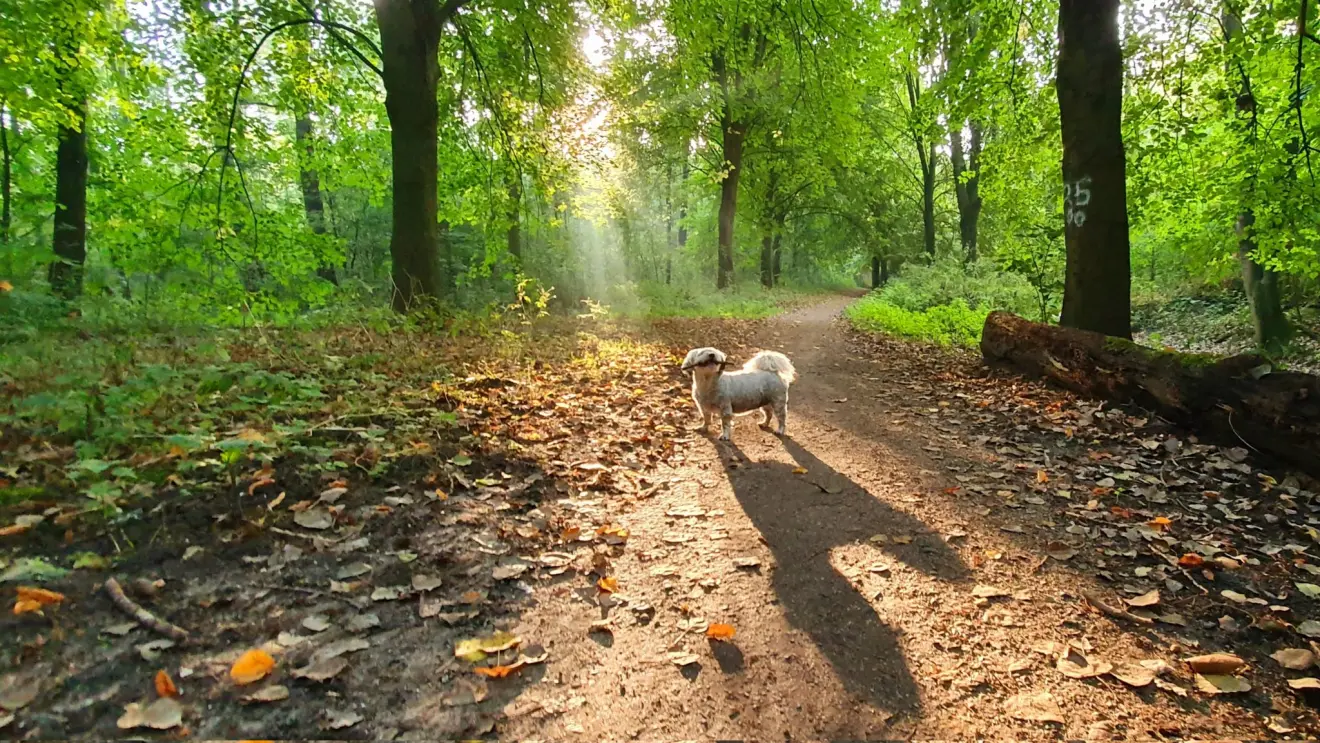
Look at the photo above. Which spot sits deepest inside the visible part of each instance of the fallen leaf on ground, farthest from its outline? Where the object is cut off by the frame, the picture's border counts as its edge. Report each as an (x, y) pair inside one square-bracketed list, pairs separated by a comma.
[(314, 518), (746, 562), (683, 659), (23, 606), (1191, 560), (317, 623), (1060, 551), (1215, 663), (1159, 523), (340, 719), (497, 672), (1310, 589), (1150, 598), (1305, 684), (1310, 628), (1034, 707), (509, 570), (162, 714), (477, 648), (1294, 659), (799, 470), (983, 591), (340, 647), (608, 584), (721, 631), (1234, 596), (1133, 674), (1212, 683), (165, 685), (1078, 666), (423, 583), (150, 651), (353, 570), (251, 667), (322, 669), (389, 593), (272, 693)]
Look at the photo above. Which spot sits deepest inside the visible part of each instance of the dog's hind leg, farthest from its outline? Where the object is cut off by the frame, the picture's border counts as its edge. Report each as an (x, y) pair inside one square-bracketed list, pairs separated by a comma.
[(726, 419), (766, 412), (781, 412)]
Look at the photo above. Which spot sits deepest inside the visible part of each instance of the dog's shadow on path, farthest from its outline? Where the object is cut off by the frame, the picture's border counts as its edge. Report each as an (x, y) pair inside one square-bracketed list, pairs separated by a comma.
[(803, 518)]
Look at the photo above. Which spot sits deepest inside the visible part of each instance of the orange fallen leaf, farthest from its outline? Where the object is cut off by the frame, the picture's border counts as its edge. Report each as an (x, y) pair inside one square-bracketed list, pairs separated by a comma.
[(39, 595), (496, 672), (252, 666), (720, 631), (608, 584), (1042, 477), (1191, 560), (952, 491), (570, 533), (1159, 523), (165, 685), (252, 489), (26, 607), (1121, 512), (799, 470), (11, 530)]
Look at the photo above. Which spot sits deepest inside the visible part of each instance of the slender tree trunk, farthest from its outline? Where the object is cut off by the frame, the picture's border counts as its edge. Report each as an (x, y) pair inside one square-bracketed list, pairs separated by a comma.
[(683, 206), (1261, 284), (6, 177), (928, 200), (777, 249), (734, 133), (513, 238), (1098, 277), (875, 272), (767, 257), (669, 224), (409, 38), (313, 204), (965, 182), (70, 243)]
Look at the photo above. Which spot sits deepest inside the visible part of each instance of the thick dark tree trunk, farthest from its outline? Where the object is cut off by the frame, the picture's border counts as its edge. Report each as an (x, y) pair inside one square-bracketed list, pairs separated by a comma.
[(734, 134), (767, 258), (6, 178), (1098, 276), (966, 180), (409, 38), (875, 272), (1231, 400), (513, 239), (70, 243), (928, 200), (313, 204)]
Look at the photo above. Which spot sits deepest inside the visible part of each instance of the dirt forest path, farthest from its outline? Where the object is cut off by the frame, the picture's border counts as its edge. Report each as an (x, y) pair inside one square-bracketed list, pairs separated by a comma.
[(873, 595)]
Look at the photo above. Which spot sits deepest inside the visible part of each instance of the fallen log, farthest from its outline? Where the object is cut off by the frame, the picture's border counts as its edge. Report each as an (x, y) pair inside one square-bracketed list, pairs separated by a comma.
[(1233, 401)]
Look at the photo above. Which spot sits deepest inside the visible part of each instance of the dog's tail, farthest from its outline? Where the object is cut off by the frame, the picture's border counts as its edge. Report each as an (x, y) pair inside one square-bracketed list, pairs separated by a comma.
[(775, 363)]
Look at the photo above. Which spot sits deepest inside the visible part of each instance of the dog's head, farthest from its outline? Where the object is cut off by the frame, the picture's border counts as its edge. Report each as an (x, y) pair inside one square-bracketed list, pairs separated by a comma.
[(705, 361)]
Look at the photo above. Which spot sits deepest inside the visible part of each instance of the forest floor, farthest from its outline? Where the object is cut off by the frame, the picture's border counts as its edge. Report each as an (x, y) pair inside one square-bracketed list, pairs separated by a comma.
[(573, 559)]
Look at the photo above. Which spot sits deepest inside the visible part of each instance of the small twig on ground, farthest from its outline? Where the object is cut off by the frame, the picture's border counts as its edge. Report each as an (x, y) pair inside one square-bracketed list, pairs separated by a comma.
[(1113, 611), (309, 591), (140, 615)]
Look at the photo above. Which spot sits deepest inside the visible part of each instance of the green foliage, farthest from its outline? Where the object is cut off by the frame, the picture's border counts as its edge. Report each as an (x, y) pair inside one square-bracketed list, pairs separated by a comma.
[(657, 300), (953, 324), (977, 285)]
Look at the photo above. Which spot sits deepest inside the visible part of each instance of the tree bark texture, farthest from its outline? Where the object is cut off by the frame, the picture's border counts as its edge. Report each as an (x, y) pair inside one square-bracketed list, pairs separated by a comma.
[(966, 180), (734, 134), (513, 239), (310, 182), (6, 178), (409, 39), (1233, 401), (70, 230), (1097, 280)]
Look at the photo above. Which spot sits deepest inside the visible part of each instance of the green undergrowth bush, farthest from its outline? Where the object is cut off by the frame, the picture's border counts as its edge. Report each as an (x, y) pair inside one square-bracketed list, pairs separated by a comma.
[(953, 324), (945, 303), (658, 300)]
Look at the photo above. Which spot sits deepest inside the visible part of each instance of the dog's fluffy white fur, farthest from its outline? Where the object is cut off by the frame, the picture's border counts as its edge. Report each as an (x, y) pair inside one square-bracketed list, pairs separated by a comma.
[(762, 384)]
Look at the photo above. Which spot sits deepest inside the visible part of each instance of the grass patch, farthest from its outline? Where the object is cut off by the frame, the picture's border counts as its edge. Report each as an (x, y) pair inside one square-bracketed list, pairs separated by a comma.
[(953, 324)]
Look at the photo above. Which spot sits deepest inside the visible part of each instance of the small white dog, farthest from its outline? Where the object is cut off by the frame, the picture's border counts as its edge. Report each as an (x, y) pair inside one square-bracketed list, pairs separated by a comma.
[(762, 384)]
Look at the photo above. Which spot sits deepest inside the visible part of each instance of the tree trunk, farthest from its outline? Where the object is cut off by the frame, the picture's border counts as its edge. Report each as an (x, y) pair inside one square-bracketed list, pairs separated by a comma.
[(734, 134), (875, 272), (777, 250), (966, 177), (1261, 284), (313, 205), (926, 156), (1232, 401), (1089, 85), (767, 258), (66, 271), (6, 177), (409, 37)]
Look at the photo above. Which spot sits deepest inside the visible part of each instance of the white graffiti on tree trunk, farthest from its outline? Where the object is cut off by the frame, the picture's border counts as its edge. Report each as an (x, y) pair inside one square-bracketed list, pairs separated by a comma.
[(1076, 196)]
